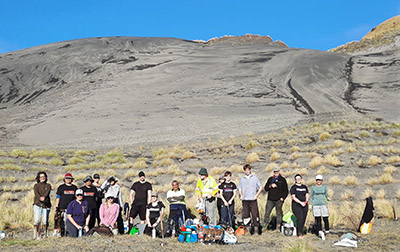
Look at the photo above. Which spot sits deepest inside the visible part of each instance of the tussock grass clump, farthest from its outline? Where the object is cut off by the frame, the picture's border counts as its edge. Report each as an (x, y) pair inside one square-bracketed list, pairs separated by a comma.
[(10, 167), (163, 162), (31, 178), (19, 153), (285, 165), (191, 179), (10, 179), (364, 134), (3, 153), (368, 193), (274, 156), (43, 153), (324, 136), (130, 174), (393, 159), (217, 171), (162, 153), (55, 162), (390, 169), (338, 143), (295, 155), (38, 168), (331, 193), (347, 195), (236, 168), (335, 180), (380, 194), (385, 178), (174, 169), (76, 160), (316, 161), (332, 160), (140, 164), (322, 170), (374, 160), (188, 155), (6, 161), (298, 246), (252, 144), (351, 149), (270, 167), (337, 152), (294, 149), (80, 153), (252, 158), (350, 180)]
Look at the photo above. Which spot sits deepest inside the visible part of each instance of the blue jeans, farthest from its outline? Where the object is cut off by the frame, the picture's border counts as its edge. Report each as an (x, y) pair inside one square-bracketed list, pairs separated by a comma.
[(228, 214), (40, 212)]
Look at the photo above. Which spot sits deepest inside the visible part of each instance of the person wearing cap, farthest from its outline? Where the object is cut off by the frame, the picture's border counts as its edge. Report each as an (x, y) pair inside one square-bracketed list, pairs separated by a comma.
[(110, 186), (250, 188), (318, 198), (139, 197), (109, 211), (90, 195), (78, 215), (207, 189), (64, 195), (154, 213), (300, 197), (100, 195), (277, 189), (41, 204)]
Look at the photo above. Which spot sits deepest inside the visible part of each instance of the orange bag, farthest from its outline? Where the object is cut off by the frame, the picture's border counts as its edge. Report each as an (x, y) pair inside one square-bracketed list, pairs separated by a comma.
[(241, 230)]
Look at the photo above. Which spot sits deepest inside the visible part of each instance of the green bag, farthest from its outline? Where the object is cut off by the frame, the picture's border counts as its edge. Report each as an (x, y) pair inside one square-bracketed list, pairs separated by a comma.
[(289, 217), (134, 231)]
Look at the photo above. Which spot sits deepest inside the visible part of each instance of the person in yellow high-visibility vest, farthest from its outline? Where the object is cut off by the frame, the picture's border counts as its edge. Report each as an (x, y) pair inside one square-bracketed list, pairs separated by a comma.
[(207, 189)]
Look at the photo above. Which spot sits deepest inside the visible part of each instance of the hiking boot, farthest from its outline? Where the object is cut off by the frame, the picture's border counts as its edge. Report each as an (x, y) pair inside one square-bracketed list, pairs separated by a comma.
[(259, 230), (252, 230), (322, 235)]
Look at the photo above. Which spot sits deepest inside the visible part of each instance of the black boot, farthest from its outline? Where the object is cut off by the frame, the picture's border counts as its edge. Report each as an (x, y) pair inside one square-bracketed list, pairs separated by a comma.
[(252, 230), (259, 231)]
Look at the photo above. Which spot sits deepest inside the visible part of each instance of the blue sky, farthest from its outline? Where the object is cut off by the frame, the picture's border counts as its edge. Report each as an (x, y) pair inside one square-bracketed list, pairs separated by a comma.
[(313, 24)]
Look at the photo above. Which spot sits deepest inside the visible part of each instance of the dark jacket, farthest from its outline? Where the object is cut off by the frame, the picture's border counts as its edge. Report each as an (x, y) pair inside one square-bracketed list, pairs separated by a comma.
[(281, 191), (42, 190)]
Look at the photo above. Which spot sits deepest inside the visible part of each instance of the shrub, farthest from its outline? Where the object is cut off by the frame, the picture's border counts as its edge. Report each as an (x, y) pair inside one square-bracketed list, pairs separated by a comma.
[(270, 167), (390, 169), (335, 180), (188, 155), (351, 149), (322, 170), (252, 157), (294, 149), (338, 143), (332, 160), (364, 134), (316, 161), (274, 156), (285, 165), (294, 156), (393, 159)]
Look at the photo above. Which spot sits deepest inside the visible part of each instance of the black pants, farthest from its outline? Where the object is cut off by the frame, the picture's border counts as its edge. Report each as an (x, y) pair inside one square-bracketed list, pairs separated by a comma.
[(120, 222), (318, 223), (251, 207), (301, 214), (93, 216), (219, 206)]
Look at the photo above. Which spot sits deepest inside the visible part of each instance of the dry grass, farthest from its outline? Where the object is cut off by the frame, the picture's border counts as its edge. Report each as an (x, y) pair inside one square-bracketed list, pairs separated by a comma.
[(390, 169), (364, 134), (350, 181), (274, 156), (393, 159), (374, 160), (322, 170), (43, 153), (368, 193), (332, 160), (140, 164), (217, 171), (55, 162), (6, 161), (19, 153), (285, 165), (252, 158), (347, 195), (317, 161), (10, 167), (294, 149), (351, 149), (162, 162), (385, 178), (270, 167), (188, 155), (9, 179), (338, 143), (76, 160), (335, 180), (295, 155), (380, 194), (191, 179), (174, 169), (252, 144), (324, 136)]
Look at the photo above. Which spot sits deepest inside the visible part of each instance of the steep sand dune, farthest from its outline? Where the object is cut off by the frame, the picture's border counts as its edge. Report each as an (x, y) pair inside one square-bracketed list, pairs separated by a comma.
[(126, 90)]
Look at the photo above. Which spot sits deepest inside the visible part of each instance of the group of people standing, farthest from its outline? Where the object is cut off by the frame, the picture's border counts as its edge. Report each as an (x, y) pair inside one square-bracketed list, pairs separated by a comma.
[(77, 210)]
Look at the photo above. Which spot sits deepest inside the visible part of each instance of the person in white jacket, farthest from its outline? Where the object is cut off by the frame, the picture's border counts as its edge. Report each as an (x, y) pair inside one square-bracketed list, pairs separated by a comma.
[(110, 186)]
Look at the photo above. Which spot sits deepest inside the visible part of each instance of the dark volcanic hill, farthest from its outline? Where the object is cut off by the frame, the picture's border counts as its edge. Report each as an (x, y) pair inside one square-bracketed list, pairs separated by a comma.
[(129, 90)]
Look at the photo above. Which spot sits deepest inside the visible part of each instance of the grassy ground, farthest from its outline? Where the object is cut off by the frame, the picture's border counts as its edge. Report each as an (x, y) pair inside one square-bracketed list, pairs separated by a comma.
[(357, 158)]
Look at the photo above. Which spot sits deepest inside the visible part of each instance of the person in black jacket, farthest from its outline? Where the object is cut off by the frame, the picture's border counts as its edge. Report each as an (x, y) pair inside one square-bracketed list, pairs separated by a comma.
[(277, 189)]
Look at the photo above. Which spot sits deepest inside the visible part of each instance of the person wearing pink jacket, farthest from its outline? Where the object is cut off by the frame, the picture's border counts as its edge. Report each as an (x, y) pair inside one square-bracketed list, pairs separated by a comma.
[(109, 211)]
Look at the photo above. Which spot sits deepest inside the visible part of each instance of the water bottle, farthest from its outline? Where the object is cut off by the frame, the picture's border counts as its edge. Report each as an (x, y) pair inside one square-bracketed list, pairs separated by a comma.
[(80, 232), (153, 233)]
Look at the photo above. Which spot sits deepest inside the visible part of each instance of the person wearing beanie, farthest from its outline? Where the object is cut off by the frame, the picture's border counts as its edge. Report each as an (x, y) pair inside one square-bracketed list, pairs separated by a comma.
[(64, 195), (318, 198), (139, 197), (207, 189)]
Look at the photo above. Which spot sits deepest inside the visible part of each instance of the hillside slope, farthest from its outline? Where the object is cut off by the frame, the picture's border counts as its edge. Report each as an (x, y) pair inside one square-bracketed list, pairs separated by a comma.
[(128, 90)]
